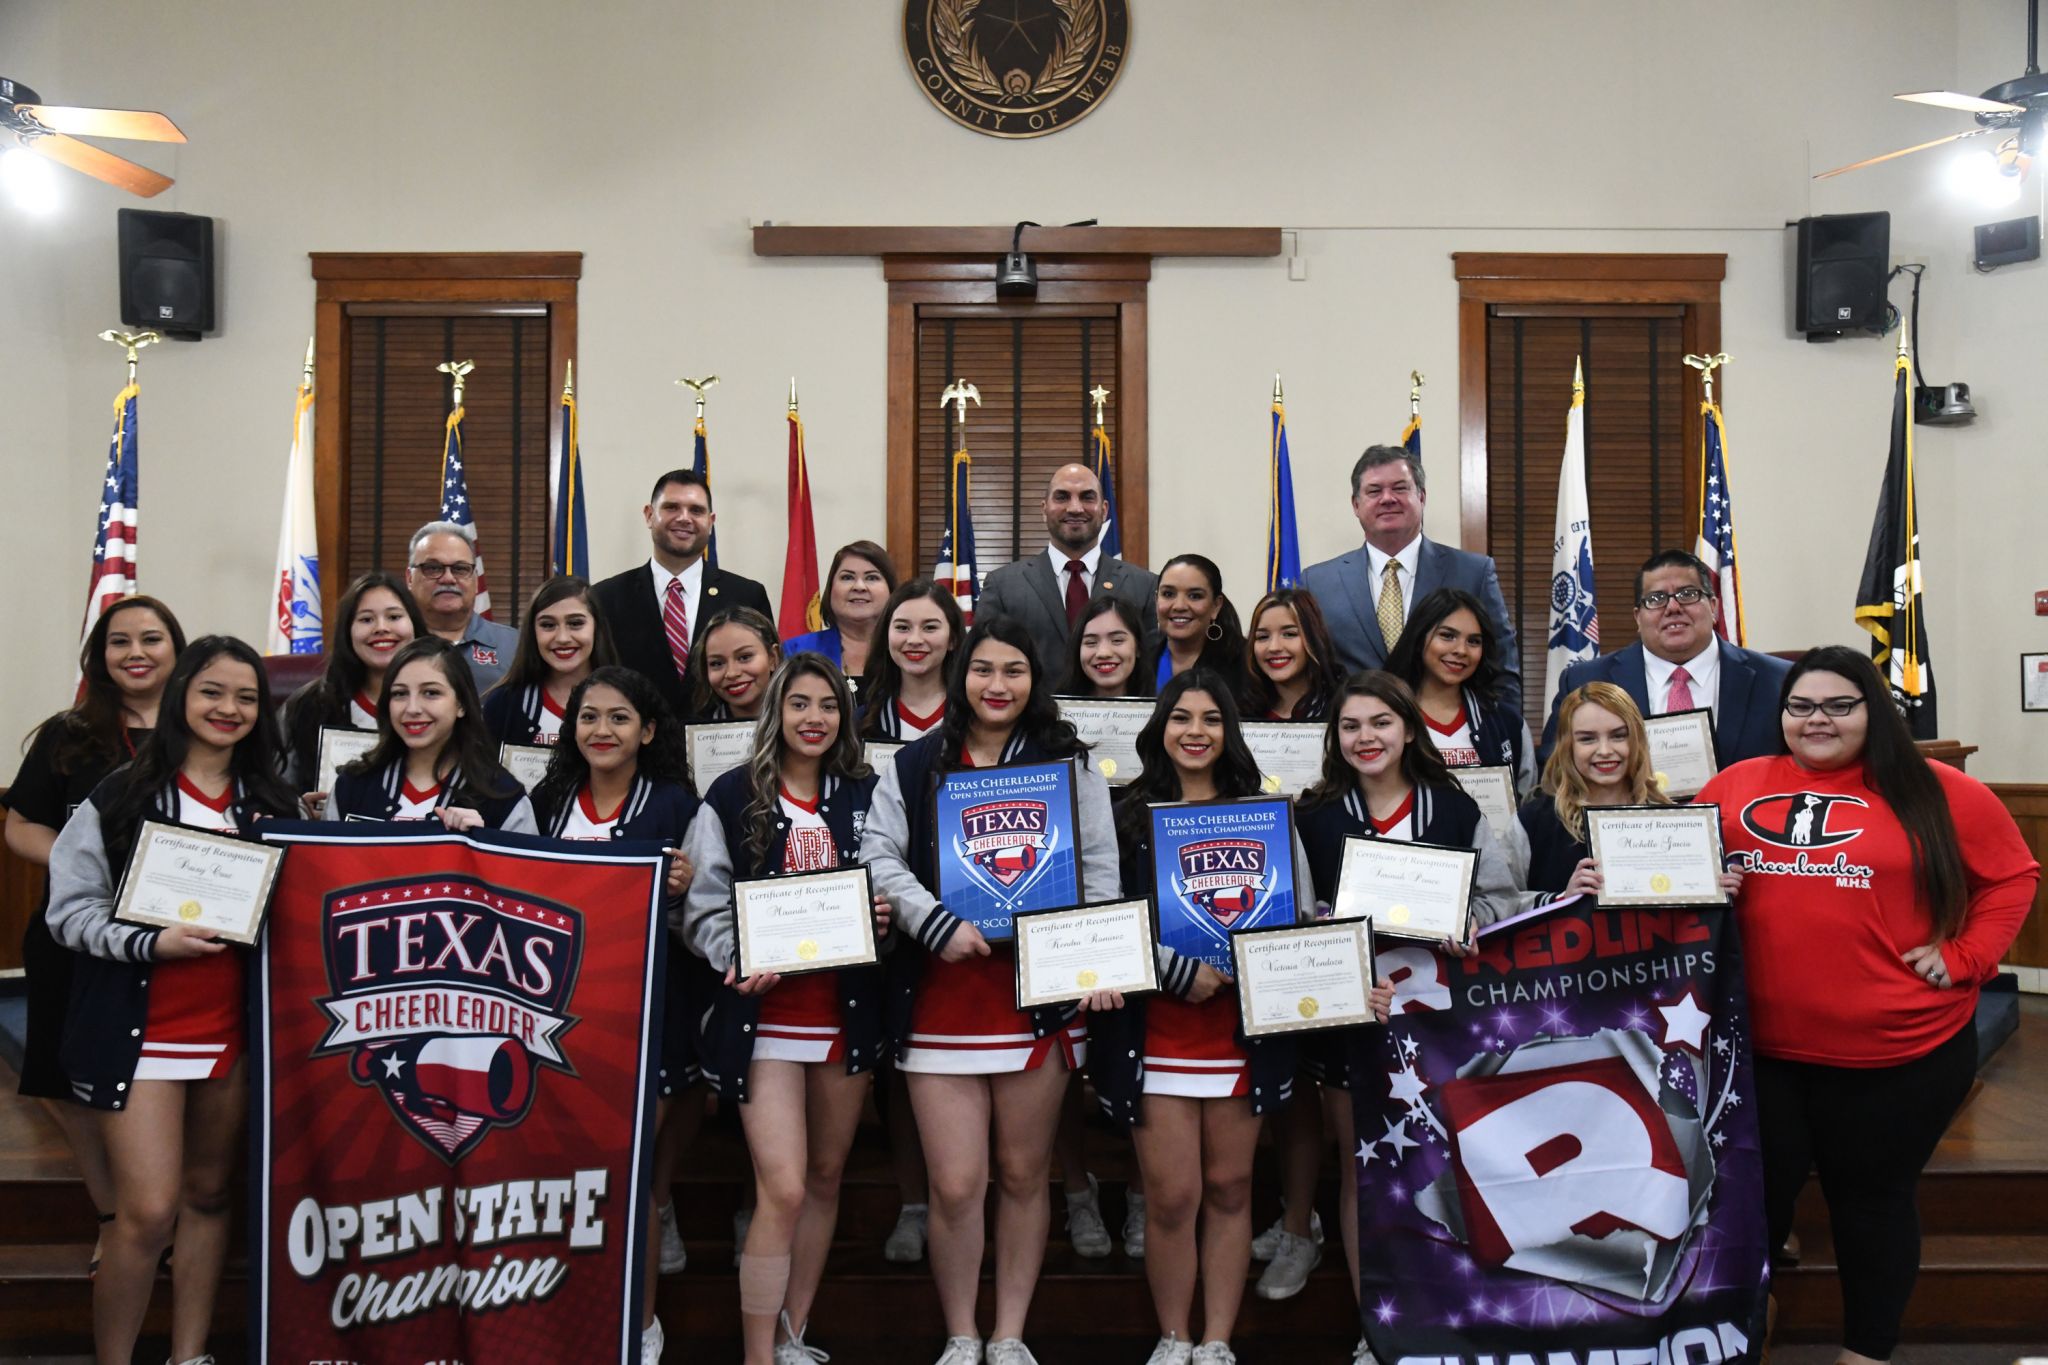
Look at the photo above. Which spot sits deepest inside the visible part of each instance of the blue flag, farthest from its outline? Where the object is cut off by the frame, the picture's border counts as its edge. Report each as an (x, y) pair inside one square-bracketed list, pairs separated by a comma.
[(700, 461), (1283, 541), (569, 548), (1104, 468)]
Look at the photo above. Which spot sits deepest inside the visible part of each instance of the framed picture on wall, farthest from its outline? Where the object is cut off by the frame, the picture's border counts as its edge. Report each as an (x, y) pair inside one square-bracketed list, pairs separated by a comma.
[(2034, 682)]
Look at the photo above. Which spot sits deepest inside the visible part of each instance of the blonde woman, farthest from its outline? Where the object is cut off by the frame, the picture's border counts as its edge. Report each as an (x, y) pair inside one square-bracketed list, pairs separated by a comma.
[(1602, 758)]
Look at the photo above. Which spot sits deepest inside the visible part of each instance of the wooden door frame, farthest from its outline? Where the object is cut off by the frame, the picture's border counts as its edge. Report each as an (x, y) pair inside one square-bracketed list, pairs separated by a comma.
[(1489, 277), (462, 282)]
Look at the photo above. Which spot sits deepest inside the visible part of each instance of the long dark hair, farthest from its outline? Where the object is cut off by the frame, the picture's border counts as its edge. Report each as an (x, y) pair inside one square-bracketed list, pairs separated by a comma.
[(881, 682), (254, 766), (1325, 674), (470, 745), (660, 759), (1040, 723), (346, 673), (93, 733), (1421, 764), (1237, 772), (847, 758), (528, 666), (1897, 771), (1077, 683), (701, 699), (859, 549), (1404, 661), (1222, 652)]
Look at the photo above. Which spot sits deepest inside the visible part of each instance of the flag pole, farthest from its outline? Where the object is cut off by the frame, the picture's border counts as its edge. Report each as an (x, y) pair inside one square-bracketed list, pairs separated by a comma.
[(1415, 383), (792, 395), (459, 371), (697, 386), (135, 341), (1706, 365), (569, 381), (1101, 396)]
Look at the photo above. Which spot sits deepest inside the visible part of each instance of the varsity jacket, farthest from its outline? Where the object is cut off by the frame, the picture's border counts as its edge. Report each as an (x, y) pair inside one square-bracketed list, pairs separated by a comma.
[(1443, 815), (375, 796), (512, 715)]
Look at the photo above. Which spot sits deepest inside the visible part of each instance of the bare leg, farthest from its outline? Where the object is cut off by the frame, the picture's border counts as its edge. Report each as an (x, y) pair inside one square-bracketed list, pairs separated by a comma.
[(1230, 1132), (145, 1146), (906, 1153), (1299, 1136), (664, 1176), (1027, 1110), (1067, 1144), (953, 1122), (1337, 1118), (773, 1118), (214, 1112), (82, 1131), (1169, 1144), (832, 1105)]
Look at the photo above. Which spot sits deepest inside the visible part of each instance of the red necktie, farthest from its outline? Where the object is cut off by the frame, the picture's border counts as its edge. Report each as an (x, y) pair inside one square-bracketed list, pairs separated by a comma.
[(1077, 591), (675, 620), (1679, 698)]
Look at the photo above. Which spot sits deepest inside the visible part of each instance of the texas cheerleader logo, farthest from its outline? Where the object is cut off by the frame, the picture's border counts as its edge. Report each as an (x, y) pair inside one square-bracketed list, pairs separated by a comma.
[(1225, 878), (1006, 839), (449, 995)]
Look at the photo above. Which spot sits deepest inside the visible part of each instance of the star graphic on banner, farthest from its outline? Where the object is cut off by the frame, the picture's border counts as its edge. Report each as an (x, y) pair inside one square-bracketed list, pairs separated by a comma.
[(1366, 1152), (392, 1066), (1720, 1139), (1407, 1087), (1409, 1047), (1721, 1044), (1397, 1137), (1685, 1023), (1385, 1312)]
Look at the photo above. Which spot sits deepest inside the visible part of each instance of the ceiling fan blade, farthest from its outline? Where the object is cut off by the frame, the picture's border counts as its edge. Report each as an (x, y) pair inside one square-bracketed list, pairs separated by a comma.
[(140, 125), (115, 170), (1903, 151), (1967, 104)]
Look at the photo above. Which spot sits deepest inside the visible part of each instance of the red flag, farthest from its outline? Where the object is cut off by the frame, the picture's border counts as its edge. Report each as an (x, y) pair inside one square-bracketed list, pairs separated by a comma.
[(799, 613)]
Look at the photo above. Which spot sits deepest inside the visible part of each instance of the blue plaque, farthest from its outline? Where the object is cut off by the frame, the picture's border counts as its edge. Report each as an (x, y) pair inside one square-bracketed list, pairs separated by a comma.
[(1007, 843), (1219, 867)]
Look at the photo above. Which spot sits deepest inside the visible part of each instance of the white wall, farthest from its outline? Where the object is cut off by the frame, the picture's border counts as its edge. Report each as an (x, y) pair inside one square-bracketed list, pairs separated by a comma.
[(649, 137)]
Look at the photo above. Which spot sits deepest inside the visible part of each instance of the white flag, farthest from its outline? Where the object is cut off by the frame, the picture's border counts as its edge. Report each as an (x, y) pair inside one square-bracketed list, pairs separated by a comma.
[(1574, 623), (295, 587)]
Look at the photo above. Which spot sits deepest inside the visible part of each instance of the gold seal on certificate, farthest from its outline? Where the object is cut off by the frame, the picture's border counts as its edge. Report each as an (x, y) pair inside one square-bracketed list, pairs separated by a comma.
[(1682, 751), (1304, 976), (1109, 726), (1493, 789), (1418, 891), (809, 922), (1063, 955), (528, 763), (1289, 755), (188, 876), (715, 748), (339, 747), (1657, 855)]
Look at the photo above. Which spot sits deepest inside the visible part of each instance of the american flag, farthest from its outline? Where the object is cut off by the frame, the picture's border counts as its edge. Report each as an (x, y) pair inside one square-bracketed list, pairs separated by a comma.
[(1716, 547), (455, 502), (113, 547), (955, 568)]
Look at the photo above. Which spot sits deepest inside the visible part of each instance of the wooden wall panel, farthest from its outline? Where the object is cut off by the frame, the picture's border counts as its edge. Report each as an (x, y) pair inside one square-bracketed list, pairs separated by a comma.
[(2028, 803)]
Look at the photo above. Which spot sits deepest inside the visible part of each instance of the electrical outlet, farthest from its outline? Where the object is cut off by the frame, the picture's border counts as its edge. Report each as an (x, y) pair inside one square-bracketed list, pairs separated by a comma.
[(1297, 268)]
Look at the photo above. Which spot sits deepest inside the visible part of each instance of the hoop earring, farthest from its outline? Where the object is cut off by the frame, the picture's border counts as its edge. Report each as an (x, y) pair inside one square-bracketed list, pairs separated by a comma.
[(1215, 630)]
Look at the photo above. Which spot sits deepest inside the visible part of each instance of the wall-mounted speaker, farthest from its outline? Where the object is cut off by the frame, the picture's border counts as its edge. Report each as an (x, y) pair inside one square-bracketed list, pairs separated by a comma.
[(2008, 243), (1841, 262), (167, 272)]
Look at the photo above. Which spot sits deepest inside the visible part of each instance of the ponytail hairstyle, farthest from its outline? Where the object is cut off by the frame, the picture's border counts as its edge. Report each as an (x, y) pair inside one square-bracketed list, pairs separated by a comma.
[(1237, 772), (1405, 661), (1561, 775), (1421, 764), (661, 758), (697, 684), (470, 747), (881, 682), (1144, 668), (847, 758), (1040, 722), (94, 732), (528, 666), (1898, 772), (1324, 674)]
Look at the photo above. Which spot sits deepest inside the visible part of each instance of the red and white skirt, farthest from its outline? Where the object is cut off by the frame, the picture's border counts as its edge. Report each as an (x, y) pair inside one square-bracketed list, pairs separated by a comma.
[(802, 1021), (1192, 1050), (195, 1030), (964, 1022)]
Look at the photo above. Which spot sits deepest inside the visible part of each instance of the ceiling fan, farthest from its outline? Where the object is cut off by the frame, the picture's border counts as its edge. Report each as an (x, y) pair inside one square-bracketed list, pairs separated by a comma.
[(48, 129), (2018, 108)]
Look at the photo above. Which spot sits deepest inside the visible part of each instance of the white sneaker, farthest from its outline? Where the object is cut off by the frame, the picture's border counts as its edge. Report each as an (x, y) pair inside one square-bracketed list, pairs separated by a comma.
[(1214, 1353), (961, 1351), (1134, 1226), (1170, 1351), (741, 1221), (1266, 1245), (1288, 1271), (651, 1339), (1085, 1229), (1010, 1351), (195, 1360), (1363, 1355), (674, 1256), (905, 1245), (795, 1351)]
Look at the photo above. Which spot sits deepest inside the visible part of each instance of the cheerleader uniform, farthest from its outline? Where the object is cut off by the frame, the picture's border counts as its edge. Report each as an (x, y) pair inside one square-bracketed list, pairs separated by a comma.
[(1487, 734), (386, 795), (812, 1017), (303, 717), (523, 715), (898, 724), (959, 1018)]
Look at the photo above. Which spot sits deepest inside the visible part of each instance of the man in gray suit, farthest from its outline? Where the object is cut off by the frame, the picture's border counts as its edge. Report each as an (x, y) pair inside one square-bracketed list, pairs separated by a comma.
[(1366, 595), (1049, 592)]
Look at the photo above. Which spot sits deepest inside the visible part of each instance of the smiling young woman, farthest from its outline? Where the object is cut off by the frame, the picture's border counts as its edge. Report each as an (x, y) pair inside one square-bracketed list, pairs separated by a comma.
[(731, 665), (1449, 655), (1291, 669), (1108, 655), (563, 639), (381, 618), (1197, 623), (903, 695)]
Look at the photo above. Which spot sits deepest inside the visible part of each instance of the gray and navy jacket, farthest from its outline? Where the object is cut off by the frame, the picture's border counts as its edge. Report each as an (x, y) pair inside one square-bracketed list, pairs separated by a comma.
[(718, 850), (1502, 738), (375, 796), (512, 715), (1443, 815), (900, 847)]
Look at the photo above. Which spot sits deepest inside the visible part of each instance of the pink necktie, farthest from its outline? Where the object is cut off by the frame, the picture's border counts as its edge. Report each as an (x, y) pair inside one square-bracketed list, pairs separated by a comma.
[(1679, 698), (675, 620)]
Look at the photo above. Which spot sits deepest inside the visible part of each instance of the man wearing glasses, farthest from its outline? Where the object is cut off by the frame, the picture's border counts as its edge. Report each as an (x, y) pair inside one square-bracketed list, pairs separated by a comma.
[(441, 571), (1679, 663)]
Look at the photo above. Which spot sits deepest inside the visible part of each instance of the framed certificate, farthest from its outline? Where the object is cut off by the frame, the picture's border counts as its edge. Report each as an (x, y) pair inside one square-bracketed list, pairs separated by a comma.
[(806, 922), (2034, 682), (187, 876), (1682, 751), (1109, 726), (1494, 789), (1290, 754), (879, 752), (1220, 867), (716, 747), (1657, 855), (337, 747), (1419, 891), (1303, 977), (528, 763), (1062, 955), (1007, 843)]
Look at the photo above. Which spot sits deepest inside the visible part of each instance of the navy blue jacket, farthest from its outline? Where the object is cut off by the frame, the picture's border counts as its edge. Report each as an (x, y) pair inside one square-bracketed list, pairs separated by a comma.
[(512, 715), (1745, 711), (375, 796)]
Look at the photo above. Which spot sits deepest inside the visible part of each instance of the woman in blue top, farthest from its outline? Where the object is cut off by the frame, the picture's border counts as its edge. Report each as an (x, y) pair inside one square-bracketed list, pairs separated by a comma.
[(856, 587), (1197, 624)]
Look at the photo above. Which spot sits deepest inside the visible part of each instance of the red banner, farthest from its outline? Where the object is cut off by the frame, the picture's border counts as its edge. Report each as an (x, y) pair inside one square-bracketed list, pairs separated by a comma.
[(451, 1050)]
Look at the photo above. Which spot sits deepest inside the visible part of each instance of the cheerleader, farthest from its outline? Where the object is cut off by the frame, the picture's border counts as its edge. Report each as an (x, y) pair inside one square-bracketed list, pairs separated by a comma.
[(1449, 656), (382, 619), (1290, 666), (1108, 657), (795, 1053), (562, 640), (621, 776), (858, 588), (903, 695), (1602, 758), (1382, 780), (979, 1068), (433, 758), (1197, 624), (155, 1031), (731, 664), (126, 659), (1177, 1064)]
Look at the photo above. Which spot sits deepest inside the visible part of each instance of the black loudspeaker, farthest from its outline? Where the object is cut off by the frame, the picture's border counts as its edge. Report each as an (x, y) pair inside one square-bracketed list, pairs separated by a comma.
[(1839, 273), (2008, 243), (167, 272)]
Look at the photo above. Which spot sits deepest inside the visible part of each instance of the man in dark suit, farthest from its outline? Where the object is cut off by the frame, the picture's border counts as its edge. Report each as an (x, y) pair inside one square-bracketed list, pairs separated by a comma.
[(1366, 595), (1049, 592), (1678, 663), (657, 612)]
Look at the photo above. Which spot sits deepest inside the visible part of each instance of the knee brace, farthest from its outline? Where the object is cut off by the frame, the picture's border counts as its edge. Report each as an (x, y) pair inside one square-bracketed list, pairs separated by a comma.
[(764, 1281)]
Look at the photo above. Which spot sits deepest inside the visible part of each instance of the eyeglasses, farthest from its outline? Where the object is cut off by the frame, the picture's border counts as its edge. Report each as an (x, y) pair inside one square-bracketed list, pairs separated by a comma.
[(1802, 707), (1686, 597), (461, 572)]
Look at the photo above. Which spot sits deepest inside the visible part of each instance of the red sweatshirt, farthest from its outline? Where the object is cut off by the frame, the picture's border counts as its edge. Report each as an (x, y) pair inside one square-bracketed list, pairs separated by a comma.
[(1829, 902)]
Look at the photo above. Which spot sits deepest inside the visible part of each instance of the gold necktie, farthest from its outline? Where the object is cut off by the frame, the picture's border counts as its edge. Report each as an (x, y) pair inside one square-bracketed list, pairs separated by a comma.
[(1390, 603)]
